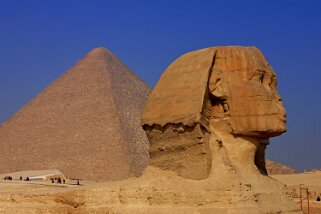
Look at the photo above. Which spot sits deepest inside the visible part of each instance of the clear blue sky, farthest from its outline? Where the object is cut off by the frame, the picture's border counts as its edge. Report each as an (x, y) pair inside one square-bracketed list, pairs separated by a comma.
[(39, 40)]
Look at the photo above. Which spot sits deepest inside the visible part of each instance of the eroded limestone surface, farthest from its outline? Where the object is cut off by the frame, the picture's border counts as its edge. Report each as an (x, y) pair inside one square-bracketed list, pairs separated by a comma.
[(231, 89)]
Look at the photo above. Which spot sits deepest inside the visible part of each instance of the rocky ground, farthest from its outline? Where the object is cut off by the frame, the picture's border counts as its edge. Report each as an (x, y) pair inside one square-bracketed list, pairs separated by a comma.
[(129, 195)]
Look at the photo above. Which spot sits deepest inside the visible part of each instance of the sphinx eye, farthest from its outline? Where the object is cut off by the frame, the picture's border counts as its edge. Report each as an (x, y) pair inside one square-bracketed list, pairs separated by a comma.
[(259, 77)]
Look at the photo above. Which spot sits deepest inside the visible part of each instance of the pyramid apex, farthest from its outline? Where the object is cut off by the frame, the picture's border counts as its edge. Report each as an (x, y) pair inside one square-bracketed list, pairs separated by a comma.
[(100, 51)]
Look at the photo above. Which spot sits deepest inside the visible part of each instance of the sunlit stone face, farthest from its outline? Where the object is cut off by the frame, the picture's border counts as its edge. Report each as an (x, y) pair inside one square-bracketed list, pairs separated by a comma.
[(243, 92)]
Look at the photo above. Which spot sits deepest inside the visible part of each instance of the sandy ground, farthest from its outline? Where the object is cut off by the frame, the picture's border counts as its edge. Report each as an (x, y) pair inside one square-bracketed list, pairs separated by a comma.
[(310, 180)]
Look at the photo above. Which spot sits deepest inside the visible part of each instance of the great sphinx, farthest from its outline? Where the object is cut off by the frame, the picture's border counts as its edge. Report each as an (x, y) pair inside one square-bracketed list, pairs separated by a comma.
[(208, 121), (214, 109)]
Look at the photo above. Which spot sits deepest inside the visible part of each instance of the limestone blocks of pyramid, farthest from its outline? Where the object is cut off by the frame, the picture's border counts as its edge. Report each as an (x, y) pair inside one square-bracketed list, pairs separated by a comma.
[(86, 123)]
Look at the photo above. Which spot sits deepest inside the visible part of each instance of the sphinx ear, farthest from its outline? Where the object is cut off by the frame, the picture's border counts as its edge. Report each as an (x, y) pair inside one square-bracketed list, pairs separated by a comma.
[(215, 85)]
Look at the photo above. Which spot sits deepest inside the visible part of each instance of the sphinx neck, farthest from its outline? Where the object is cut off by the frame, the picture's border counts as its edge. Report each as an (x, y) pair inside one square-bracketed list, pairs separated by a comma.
[(238, 155)]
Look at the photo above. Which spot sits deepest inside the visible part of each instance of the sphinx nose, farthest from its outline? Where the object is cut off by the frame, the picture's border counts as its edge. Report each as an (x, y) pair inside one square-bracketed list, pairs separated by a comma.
[(277, 97), (281, 109)]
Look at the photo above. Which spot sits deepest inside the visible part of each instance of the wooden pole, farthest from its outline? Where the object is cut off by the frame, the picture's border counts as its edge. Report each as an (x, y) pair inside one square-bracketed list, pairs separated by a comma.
[(308, 200), (301, 198)]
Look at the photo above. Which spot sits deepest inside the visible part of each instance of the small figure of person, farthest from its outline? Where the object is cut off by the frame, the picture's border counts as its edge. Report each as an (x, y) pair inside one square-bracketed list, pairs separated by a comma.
[(59, 181), (78, 183), (318, 198), (63, 181), (20, 178), (52, 180), (27, 179)]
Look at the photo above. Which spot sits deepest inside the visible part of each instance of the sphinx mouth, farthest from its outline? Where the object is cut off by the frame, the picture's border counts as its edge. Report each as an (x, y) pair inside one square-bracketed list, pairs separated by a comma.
[(283, 119)]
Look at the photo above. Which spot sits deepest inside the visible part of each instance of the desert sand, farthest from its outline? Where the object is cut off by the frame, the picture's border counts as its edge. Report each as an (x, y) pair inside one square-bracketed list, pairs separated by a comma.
[(26, 197), (310, 180)]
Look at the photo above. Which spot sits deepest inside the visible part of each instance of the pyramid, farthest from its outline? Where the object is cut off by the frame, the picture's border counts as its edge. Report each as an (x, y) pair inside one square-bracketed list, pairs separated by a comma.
[(278, 168), (85, 124)]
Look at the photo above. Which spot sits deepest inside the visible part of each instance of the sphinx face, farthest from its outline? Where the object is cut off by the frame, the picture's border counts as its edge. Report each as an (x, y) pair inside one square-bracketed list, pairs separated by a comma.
[(243, 91)]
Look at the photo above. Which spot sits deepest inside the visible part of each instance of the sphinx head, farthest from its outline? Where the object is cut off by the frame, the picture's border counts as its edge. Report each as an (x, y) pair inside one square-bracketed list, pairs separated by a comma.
[(214, 107), (242, 89)]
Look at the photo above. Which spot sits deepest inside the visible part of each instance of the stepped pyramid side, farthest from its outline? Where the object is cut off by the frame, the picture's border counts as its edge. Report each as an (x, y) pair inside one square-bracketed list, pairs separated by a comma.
[(77, 125), (130, 97)]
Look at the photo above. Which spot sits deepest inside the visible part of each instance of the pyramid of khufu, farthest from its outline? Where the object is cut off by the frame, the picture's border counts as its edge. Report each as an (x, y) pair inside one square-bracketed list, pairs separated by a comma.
[(85, 124)]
